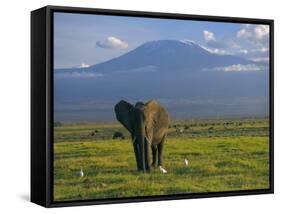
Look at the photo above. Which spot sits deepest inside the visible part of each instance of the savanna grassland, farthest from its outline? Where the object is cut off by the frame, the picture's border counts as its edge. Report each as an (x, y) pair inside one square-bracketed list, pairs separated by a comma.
[(223, 155)]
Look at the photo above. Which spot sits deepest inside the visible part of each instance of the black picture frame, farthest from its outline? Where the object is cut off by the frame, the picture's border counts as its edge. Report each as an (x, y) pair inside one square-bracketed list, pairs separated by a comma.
[(42, 104)]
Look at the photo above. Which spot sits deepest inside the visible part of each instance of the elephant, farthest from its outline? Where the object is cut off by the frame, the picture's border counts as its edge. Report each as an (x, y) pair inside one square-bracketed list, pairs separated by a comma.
[(148, 124)]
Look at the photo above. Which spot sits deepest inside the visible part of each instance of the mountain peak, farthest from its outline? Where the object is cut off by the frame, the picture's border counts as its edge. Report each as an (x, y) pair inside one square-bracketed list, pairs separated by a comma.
[(169, 42), (171, 49)]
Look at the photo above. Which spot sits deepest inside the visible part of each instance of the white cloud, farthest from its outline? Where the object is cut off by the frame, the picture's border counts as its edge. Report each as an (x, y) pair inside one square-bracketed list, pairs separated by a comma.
[(218, 51), (78, 75), (251, 41), (209, 36), (149, 69), (262, 49), (112, 43), (260, 59), (233, 44), (225, 51), (257, 34), (243, 33), (261, 31), (188, 41), (243, 51), (212, 42), (238, 68), (83, 65), (222, 47)]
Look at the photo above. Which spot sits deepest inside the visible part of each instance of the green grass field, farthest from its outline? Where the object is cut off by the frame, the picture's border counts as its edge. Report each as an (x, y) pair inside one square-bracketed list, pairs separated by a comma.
[(223, 155)]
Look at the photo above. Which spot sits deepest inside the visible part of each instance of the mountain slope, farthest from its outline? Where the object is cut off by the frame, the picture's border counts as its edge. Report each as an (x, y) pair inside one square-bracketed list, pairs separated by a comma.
[(164, 55)]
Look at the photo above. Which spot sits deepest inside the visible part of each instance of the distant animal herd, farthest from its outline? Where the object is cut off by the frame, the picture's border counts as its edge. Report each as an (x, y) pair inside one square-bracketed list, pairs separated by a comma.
[(115, 135), (177, 128)]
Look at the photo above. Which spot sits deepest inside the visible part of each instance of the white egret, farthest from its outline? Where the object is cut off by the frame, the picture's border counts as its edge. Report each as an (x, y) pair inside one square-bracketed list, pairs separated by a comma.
[(81, 173), (162, 169), (186, 162)]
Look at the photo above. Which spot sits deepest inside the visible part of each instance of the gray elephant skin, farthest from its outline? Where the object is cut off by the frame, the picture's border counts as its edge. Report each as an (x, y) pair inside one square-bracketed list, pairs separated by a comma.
[(148, 124)]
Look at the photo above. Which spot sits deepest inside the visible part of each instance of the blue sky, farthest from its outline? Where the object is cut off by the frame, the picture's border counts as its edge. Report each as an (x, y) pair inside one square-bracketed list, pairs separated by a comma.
[(81, 40)]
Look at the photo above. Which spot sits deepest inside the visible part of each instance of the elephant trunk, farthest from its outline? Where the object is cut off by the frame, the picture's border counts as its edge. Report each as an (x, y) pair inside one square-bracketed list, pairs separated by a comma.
[(140, 140), (143, 154), (140, 152)]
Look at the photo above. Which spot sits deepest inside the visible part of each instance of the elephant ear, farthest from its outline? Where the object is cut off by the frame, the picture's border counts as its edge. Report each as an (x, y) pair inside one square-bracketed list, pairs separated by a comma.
[(122, 110)]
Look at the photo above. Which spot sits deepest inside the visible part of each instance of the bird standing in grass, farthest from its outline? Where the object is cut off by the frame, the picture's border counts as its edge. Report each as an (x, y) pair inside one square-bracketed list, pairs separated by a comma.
[(162, 169), (186, 162), (81, 173)]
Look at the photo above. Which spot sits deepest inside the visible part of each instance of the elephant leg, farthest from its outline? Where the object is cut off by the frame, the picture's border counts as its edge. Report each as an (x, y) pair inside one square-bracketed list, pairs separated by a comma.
[(154, 155), (137, 155), (160, 152), (146, 155)]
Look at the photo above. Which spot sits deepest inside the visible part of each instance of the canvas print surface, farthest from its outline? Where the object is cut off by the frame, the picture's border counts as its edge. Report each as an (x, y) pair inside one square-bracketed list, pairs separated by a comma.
[(152, 107)]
